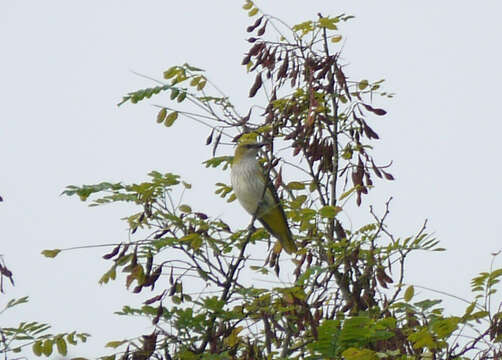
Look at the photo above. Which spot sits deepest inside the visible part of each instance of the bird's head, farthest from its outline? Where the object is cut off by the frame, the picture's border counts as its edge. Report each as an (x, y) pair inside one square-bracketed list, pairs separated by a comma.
[(247, 148)]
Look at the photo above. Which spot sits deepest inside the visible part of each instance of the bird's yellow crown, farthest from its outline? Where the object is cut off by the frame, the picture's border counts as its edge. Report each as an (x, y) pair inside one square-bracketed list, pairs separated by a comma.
[(247, 144)]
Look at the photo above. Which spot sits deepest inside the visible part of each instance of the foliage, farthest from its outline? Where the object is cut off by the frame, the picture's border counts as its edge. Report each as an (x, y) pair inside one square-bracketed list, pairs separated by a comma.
[(344, 293), (33, 333)]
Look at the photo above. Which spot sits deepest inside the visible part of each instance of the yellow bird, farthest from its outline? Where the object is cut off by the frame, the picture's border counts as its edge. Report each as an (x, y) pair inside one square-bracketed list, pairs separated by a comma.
[(248, 180)]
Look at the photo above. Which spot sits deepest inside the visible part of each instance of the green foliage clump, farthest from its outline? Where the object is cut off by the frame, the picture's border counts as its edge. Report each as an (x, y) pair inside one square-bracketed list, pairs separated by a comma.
[(13, 339)]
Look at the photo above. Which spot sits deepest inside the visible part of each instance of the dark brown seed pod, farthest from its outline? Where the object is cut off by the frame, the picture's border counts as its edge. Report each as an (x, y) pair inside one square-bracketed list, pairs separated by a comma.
[(114, 252), (154, 299), (256, 49), (284, 68), (375, 170), (387, 175), (261, 31), (210, 138), (246, 60), (256, 86), (376, 111), (369, 131), (255, 25), (160, 311)]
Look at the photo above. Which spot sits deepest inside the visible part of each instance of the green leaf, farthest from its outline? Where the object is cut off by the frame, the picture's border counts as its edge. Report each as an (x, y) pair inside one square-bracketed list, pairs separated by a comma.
[(201, 84), (253, 12), (329, 211), (194, 239), (61, 346), (83, 337), (336, 38), (469, 309), (161, 116), (445, 327), (327, 343), (304, 27), (174, 93), (298, 201), (71, 338), (136, 96), (169, 73), (47, 347), (363, 84), (185, 208), (328, 23), (248, 5), (195, 80), (112, 273), (347, 193), (51, 253), (14, 302), (233, 339), (479, 315), (427, 304), (359, 354), (115, 344), (422, 339), (295, 185), (408, 294), (217, 161), (37, 348), (181, 96), (192, 68), (171, 118), (355, 330)]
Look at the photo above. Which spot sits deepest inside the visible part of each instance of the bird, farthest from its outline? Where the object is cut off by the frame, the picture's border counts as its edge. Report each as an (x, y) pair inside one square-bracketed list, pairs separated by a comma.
[(248, 180)]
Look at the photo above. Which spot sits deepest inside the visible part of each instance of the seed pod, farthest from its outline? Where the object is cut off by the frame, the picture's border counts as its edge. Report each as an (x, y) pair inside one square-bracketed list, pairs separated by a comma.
[(210, 137), (369, 131), (216, 143), (256, 49), (255, 25), (114, 252), (375, 169), (154, 299), (160, 311), (256, 86), (284, 68), (261, 31), (376, 111), (149, 263), (246, 60), (387, 175)]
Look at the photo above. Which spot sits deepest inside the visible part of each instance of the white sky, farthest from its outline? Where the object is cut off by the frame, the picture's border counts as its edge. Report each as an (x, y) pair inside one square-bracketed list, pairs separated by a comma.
[(64, 65)]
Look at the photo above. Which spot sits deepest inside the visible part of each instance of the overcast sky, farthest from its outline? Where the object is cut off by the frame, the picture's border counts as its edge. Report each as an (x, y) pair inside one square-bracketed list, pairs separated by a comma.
[(64, 65)]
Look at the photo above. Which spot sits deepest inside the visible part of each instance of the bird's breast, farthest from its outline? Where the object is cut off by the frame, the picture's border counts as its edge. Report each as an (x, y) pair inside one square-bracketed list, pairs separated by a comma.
[(248, 184)]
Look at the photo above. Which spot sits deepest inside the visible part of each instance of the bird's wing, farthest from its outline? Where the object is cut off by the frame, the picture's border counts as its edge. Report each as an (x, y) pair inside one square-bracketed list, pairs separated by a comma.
[(271, 198), (274, 219)]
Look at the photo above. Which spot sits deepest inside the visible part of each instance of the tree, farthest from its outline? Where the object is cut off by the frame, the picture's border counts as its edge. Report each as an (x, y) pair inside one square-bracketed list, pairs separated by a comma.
[(347, 296)]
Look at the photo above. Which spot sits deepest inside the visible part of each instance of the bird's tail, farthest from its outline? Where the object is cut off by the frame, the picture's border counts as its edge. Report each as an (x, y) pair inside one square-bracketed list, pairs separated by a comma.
[(275, 222)]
